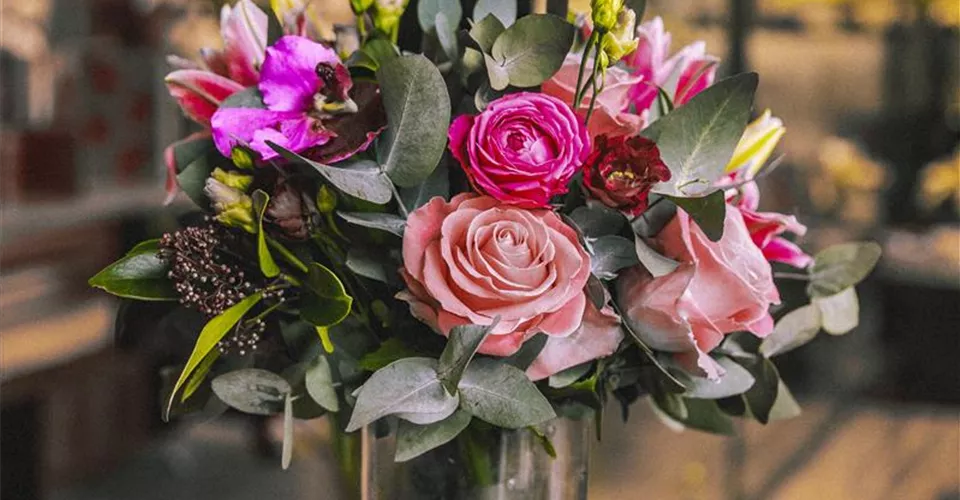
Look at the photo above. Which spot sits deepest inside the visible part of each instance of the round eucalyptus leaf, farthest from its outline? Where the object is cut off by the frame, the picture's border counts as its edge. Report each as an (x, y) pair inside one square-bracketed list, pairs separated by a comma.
[(252, 390)]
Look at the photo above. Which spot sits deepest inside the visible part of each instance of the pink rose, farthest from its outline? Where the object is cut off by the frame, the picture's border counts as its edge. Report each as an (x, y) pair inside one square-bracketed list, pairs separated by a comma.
[(522, 149), (472, 259), (599, 335), (720, 287), (611, 114)]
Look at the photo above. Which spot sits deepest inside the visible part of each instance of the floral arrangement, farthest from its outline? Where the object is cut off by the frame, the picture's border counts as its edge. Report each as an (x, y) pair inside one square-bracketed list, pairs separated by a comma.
[(530, 218)]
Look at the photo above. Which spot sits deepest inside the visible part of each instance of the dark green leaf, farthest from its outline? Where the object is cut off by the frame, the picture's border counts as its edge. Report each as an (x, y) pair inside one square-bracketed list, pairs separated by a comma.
[(502, 395), (140, 275), (375, 52), (842, 266), (415, 440), (462, 344), (286, 454), (596, 292), (761, 397), (252, 390), (533, 49), (504, 10), (794, 329), (611, 254), (697, 139), (358, 178), (657, 216), (736, 380), (595, 220), (418, 113), (427, 11), (785, 407), (326, 302), (363, 264), (705, 415), (193, 178), (199, 375), (375, 220), (249, 97), (319, 384), (708, 212), (268, 266), (528, 352), (438, 184), (570, 375), (408, 385), (485, 32), (389, 351), (653, 261), (839, 313)]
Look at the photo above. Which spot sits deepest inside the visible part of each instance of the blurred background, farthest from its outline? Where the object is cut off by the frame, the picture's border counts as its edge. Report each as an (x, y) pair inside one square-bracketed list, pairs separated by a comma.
[(869, 93)]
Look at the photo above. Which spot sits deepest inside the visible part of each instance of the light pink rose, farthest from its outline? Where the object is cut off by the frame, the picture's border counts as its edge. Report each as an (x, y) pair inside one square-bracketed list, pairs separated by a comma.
[(523, 149), (720, 287), (599, 335), (611, 114), (472, 259)]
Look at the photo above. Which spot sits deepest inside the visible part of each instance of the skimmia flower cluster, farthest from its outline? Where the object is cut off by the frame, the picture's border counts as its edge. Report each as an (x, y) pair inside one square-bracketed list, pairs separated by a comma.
[(522, 237)]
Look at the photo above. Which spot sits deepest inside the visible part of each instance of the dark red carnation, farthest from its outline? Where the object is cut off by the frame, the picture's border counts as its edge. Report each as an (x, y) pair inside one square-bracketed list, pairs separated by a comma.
[(621, 170)]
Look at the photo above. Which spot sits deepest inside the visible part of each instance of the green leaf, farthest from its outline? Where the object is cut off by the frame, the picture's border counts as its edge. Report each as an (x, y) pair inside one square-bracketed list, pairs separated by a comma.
[(427, 11), (736, 380), (611, 254), (595, 220), (505, 11), (140, 274), (389, 351), (839, 313), (319, 383), (447, 36), (286, 454), (415, 440), (252, 390), (193, 178), (365, 265), (596, 292), (326, 302), (462, 344), (408, 385), (709, 212), (785, 407), (358, 178), (249, 97), (533, 49), (418, 113), (502, 395), (486, 31), (545, 441), (375, 220), (705, 415), (761, 397), (653, 261), (528, 352), (570, 375), (199, 375), (438, 184), (268, 266), (793, 330), (697, 139), (655, 218), (373, 54), (842, 266)]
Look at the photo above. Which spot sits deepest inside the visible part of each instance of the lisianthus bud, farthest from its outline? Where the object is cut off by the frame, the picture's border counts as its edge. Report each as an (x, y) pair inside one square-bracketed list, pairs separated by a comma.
[(621, 40), (605, 13), (621, 171), (757, 143), (242, 157), (326, 200), (233, 179), (386, 16), (233, 207), (360, 6)]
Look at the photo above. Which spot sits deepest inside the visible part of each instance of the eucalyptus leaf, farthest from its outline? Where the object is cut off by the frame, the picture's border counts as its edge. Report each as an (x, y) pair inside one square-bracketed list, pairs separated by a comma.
[(319, 384), (697, 139), (446, 35), (504, 10), (438, 184), (408, 385), (286, 454), (653, 261), (705, 415), (839, 313), (570, 375), (497, 75), (140, 274), (252, 390), (785, 407), (462, 344), (415, 440), (842, 266), (375, 220), (249, 97), (762, 396), (709, 212), (486, 31), (211, 334), (326, 302), (363, 264), (596, 292), (378, 51), (793, 330), (736, 380), (389, 351), (528, 352), (533, 49), (427, 11), (502, 395), (655, 218), (595, 220), (193, 178), (268, 266), (611, 254), (358, 178), (429, 417), (418, 113)]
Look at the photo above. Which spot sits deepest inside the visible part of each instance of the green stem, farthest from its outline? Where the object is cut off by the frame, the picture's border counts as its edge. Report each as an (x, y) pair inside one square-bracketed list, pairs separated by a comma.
[(263, 314), (578, 91), (287, 255), (792, 276), (396, 194), (593, 79)]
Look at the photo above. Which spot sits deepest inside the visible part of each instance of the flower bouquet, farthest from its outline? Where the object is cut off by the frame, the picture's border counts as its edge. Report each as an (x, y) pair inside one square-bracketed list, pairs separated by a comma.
[(525, 221)]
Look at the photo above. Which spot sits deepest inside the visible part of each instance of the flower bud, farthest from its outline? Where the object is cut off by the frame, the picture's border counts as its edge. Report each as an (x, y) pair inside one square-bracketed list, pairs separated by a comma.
[(605, 13), (757, 143), (242, 157), (326, 200), (386, 16), (621, 40), (360, 6), (233, 179), (233, 207)]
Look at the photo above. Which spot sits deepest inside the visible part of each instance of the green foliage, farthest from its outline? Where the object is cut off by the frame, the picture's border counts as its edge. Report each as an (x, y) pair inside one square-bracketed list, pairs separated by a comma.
[(657, 264), (418, 113), (286, 453), (268, 266), (762, 396), (319, 384), (530, 51), (462, 344), (570, 375), (438, 184), (841, 266), (595, 220), (737, 380), (427, 11), (415, 440), (140, 274), (376, 220), (504, 10), (697, 139), (364, 264), (709, 212), (211, 334), (252, 390), (528, 352), (502, 395), (194, 161), (389, 351), (358, 178), (409, 386), (793, 330), (325, 301), (611, 254), (840, 312), (249, 97)]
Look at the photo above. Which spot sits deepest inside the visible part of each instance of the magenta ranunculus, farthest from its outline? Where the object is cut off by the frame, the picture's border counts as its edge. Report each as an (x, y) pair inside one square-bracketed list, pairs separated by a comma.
[(522, 149), (472, 259), (720, 287)]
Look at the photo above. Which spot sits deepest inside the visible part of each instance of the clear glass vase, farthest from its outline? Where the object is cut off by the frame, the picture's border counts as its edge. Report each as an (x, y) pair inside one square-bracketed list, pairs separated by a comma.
[(482, 463)]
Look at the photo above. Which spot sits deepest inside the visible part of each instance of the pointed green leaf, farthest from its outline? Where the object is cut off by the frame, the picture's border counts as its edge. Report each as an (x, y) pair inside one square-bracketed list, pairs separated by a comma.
[(199, 375), (408, 385), (319, 382), (358, 178), (326, 302), (140, 274), (427, 11), (736, 380), (415, 440), (785, 407), (502, 395), (462, 344), (375, 220), (761, 397), (389, 351), (268, 266), (438, 184), (709, 212)]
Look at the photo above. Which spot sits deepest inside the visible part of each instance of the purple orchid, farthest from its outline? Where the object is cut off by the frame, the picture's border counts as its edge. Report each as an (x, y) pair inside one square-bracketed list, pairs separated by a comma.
[(306, 92)]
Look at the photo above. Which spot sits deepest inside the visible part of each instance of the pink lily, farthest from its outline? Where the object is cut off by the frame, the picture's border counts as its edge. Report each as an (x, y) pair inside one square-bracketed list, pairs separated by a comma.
[(199, 93)]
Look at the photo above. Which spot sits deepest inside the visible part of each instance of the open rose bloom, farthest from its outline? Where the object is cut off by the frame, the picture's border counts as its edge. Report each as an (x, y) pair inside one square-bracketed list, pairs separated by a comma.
[(466, 235)]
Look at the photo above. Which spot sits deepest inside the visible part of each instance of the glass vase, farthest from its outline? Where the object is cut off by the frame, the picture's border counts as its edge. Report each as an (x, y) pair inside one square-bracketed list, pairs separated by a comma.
[(482, 463)]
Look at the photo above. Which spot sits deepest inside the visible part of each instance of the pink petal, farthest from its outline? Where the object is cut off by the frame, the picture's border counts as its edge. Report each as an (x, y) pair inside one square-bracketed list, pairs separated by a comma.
[(244, 31), (289, 77), (199, 92), (598, 335)]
